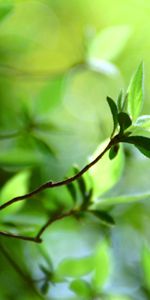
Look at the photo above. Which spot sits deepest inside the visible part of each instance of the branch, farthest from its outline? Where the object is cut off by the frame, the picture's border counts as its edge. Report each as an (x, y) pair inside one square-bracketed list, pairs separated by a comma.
[(20, 237), (51, 184)]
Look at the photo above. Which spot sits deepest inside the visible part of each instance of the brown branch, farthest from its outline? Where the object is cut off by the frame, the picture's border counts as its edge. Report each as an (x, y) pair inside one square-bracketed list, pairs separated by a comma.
[(52, 220), (20, 237), (51, 184)]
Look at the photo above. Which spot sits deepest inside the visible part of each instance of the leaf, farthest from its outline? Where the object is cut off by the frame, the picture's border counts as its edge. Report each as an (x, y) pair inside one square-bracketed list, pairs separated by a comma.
[(102, 266), (16, 186), (104, 217), (124, 121), (113, 151), (120, 101), (43, 146), (103, 45), (141, 142), (114, 111), (122, 199), (103, 67), (106, 172), (72, 190), (146, 266), (135, 93), (144, 122), (81, 288), (5, 9), (75, 267), (44, 288)]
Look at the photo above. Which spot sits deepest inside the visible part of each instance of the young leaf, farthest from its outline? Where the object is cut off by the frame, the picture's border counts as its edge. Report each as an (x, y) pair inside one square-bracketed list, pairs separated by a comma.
[(102, 266), (113, 151), (124, 121), (144, 122), (72, 190), (141, 142), (81, 288), (135, 93), (103, 47), (104, 217), (120, 101), (114, 111)]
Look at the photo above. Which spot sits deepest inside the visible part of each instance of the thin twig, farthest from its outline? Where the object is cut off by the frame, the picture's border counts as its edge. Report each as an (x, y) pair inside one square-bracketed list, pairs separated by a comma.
[(20, 237), (51, 184), (52, 220)]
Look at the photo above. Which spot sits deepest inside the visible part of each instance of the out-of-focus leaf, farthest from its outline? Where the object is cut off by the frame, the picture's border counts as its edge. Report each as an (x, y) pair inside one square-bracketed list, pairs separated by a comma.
[(16, 186), (144, 122), (141, 142), (5, 9), (49, 96), (8, 135), (44, 288), (146, 266), (124, 121), (106, 172), (109, 201), (119, 297), (102, 266), (103, 45), (43, 146), (18, 158), (76, 267), (135, 93), (104, 217), (102, 66), (72, 190), (114, 111), (120, 101), (81, 288)]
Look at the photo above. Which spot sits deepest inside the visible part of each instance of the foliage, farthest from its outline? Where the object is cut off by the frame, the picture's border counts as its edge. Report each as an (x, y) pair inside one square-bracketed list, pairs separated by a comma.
[(68, 231)]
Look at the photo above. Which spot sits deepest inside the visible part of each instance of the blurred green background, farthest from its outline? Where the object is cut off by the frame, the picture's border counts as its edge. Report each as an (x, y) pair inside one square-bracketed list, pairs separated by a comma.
[(59, 60)]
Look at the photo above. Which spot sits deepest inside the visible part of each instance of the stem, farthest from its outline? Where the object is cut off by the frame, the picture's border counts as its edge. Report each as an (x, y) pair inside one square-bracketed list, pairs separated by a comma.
[(52, 220), (20, 237), (51, 184)]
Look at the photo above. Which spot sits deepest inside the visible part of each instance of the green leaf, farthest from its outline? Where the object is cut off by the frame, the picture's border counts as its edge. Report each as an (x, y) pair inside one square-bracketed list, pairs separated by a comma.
[(135, 93), (124, 121), (114, 111), (16, 186), (141, 142), (5, 9), (43, 146), (144, 122), (146, 265), (106, 172), (104, 217), (113, 151), (123, 199), (103, 45), (44, 288), (120, 101), (81, 288), (102, 266), (75, 267), (72, 190)]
